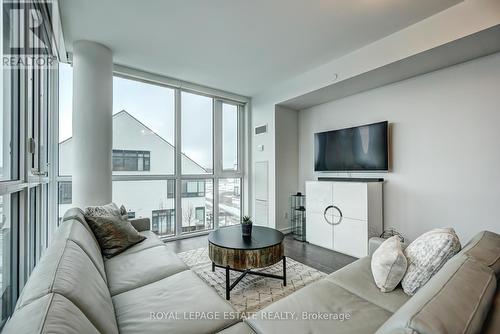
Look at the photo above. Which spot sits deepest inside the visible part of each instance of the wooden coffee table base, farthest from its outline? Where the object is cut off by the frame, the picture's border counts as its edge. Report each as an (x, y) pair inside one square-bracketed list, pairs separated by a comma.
[(229, 250), (230, 286)]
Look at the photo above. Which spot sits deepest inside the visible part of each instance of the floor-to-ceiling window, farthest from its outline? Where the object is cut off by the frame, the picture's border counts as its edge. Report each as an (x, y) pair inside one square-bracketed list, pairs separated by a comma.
[(27, 100), (176, 155)]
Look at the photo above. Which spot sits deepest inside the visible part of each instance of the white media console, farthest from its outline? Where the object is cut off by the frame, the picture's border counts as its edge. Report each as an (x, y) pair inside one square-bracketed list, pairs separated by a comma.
[(343, 215)]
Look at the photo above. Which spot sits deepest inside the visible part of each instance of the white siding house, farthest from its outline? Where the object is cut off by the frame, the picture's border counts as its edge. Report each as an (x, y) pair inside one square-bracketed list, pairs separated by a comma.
[(137, 150)]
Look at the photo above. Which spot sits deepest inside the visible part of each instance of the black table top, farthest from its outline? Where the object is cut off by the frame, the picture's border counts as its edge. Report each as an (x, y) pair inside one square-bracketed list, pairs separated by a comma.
[(230, 237)]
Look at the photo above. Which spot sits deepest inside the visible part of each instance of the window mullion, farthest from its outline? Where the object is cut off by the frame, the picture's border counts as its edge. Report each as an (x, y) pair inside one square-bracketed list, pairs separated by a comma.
[(217, 158), (178, 163)]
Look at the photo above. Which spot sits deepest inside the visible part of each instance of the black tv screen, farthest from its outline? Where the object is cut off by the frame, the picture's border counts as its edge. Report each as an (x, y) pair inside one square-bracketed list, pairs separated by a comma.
[(362, 148)]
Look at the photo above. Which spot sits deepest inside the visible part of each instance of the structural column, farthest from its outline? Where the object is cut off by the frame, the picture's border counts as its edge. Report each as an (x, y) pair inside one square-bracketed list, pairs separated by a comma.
[(92, 123)]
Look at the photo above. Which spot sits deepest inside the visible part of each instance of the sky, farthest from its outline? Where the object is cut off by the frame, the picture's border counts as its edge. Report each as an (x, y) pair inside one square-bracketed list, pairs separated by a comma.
[(154, 106)]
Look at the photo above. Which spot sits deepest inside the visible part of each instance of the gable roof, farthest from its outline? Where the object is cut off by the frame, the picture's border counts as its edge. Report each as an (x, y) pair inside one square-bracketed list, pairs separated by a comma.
[(125, 113)]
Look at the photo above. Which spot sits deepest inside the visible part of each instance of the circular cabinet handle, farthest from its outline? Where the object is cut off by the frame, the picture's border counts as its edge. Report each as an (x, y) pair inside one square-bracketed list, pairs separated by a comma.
[(336, 208)]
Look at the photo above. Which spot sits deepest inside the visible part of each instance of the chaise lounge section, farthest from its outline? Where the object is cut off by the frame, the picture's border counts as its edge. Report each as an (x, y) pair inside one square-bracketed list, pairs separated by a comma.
[(73, 289), (461, 298)]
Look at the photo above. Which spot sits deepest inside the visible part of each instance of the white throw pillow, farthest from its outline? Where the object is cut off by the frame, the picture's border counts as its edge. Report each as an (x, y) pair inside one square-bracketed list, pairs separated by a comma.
[(388, 264), (426, 255)]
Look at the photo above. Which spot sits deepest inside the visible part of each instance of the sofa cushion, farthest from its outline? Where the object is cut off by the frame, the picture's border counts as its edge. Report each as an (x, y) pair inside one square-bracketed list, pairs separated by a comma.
[(73, 230), (114, 234), (42, 276), (455, 300), (388, 264), (485, 247), (67, 270), (140, 268), (179, 295), (51, 313), (357, 278), (492, 323), (426, 255), (151, 240), (320, 298)]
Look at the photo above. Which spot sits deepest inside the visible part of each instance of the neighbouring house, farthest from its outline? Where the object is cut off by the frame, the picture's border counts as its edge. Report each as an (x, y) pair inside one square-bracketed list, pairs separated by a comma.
[(138, 150)]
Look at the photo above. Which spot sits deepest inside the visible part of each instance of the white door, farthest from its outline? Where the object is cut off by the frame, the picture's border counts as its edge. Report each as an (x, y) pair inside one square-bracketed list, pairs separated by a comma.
[(319, 196), (351, 199), (318, 231), (261, 179), (351, 237)]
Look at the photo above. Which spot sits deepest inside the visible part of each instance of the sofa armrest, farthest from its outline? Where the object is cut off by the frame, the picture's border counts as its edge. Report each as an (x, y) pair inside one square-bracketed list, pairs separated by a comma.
[(141, 224), (373, 244)]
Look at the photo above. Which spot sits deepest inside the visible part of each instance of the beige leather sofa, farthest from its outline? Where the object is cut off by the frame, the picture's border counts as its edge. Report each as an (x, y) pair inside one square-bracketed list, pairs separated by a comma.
[(461, 298), (74, 290)]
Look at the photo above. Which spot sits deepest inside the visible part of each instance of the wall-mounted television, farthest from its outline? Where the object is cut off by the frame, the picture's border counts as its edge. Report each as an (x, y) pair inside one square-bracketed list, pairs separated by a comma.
[(361, 148)]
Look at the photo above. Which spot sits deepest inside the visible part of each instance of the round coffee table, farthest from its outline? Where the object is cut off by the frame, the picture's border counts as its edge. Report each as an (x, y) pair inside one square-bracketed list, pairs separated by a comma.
[(229, 250)]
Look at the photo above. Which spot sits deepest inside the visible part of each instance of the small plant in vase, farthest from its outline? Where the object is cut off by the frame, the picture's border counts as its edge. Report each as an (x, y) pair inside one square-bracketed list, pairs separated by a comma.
[(246, 226)]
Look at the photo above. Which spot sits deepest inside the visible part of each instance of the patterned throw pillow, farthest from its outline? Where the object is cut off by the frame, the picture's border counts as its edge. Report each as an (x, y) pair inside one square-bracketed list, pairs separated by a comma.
[(108, 210), (114, 234), (388, 264), (426, 255)]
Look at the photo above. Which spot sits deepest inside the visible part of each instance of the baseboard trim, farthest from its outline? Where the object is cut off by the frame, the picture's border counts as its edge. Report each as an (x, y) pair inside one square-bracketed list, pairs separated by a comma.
[(286, 230)]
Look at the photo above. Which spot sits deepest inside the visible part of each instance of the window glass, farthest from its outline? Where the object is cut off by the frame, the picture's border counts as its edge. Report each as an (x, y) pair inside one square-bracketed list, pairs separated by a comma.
[(196, 134), (229, 201), (163, 222), (65, 192), (33, 224), (200, 214), (143, 145), (229, 137), (143, 128), (197, 206), (65, 117), (135, 161), (147, 199), (8, 219), (9, 114), (171, 188), (192, 187)]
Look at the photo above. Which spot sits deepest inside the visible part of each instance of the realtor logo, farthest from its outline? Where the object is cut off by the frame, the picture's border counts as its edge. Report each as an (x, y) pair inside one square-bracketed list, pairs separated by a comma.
[(27, 43)]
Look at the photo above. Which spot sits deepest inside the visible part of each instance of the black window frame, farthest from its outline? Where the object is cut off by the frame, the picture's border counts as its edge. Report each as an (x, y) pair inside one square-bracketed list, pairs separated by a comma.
[(200, 188), (131, 160), (196, 210)]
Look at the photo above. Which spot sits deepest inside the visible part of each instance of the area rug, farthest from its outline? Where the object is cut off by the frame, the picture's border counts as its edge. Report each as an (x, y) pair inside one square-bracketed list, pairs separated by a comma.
[(253, 292)]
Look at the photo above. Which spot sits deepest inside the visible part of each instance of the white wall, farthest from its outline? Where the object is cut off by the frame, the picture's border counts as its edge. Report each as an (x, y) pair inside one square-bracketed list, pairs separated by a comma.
[(465, 18), (287, 162), (445, 146)]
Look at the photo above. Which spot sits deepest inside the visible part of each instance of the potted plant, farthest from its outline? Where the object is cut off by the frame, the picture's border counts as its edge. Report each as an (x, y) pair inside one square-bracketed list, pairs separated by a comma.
[(246, 226)]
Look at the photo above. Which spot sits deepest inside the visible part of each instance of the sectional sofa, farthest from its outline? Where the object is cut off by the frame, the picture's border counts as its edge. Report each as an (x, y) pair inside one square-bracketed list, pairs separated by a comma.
[(147, 289), (73, 289)]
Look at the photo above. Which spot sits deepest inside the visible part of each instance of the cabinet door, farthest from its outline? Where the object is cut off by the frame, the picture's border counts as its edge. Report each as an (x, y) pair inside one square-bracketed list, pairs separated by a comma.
[(351, 199), (351, 237), (318, 231), (319, 196)]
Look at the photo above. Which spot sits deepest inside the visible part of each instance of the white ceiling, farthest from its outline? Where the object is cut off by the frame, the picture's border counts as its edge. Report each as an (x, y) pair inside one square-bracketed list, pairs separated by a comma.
[(241, 46)]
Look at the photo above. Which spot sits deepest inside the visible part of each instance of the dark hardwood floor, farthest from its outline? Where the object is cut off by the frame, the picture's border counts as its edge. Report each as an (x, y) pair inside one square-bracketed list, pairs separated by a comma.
[(316, 257)]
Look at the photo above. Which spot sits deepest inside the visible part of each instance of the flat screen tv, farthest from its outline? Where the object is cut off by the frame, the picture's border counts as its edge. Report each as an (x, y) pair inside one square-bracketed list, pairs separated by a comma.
[(361, 148)]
